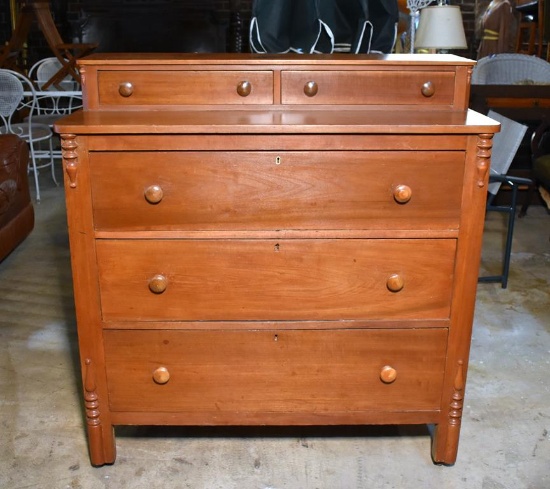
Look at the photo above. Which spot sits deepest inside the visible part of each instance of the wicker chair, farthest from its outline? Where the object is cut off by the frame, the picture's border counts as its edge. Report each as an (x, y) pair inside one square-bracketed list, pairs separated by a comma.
[(511, 69)]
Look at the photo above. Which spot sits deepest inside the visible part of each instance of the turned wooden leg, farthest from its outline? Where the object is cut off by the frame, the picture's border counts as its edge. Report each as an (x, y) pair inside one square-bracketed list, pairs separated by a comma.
[(101, 440), (445, 444)]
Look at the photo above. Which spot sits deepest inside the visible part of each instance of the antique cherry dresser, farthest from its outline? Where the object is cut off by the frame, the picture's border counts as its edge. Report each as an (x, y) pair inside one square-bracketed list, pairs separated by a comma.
[(275, 240)]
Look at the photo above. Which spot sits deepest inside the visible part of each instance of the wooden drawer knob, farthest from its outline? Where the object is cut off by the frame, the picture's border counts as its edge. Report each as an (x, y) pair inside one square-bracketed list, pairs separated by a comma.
[(388, 374), (395, 282), (158, 284), (244, 88), (428, 89), (311, 88), (161, 375), (126, 89), (153, 194), (402, 194)]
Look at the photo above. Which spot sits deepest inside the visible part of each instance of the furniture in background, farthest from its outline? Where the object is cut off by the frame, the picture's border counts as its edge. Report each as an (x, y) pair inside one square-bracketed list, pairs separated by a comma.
[(11, 53), (530, 32), (541, 159), (268, 245), (16, 210), (57, 100), (505, 146), (66, 53), (518, 87), (18, 102), (175, 29), (540, 150), (515, 85), (511, 69), (42, 72)]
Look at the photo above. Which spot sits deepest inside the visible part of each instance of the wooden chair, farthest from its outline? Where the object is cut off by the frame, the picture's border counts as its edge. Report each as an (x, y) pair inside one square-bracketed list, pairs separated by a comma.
[(10, 54), (66, 53), (530, 35), (540, 157)]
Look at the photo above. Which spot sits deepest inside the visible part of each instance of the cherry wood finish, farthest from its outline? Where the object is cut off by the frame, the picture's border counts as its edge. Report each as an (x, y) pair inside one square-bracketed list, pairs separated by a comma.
[(276, 190), (341, 87), (293, 279), (209, 371), (275, 240)]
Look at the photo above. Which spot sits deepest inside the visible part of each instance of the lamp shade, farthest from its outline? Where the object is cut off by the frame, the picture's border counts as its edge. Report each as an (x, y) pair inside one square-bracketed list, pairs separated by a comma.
[(440, 27)]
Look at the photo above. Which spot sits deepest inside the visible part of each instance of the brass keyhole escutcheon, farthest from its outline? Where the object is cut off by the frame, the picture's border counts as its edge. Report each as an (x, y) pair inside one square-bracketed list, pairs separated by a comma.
[(244, 88)]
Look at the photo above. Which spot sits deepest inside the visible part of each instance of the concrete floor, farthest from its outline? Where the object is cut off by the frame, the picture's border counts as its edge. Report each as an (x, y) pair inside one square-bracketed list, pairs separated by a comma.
[(505, 442)]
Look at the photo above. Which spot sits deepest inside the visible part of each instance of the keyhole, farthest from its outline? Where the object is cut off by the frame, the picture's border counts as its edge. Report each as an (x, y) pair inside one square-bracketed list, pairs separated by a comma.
[(277, 160), (276, 337), (276, 248)]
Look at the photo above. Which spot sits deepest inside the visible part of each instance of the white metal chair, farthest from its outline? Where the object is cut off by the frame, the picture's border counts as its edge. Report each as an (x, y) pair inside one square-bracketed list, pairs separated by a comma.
[(42, 72), (57, 100), (18, 101)]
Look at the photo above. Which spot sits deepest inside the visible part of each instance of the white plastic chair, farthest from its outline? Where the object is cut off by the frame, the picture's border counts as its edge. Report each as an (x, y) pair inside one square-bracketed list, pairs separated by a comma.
[(18, 96)]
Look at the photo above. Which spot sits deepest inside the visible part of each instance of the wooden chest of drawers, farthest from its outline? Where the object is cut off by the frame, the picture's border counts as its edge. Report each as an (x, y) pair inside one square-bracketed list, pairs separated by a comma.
[(275, 240)]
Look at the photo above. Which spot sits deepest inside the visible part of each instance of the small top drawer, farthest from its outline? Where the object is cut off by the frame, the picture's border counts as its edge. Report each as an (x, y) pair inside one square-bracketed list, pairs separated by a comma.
[(172, 88), (367, 87)]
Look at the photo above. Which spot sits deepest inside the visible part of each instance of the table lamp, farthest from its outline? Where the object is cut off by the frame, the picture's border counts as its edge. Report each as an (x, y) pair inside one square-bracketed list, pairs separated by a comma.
[(440, 27)]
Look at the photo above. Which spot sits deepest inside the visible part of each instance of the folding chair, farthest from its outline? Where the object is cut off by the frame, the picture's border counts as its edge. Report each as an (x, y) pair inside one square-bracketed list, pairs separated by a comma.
[(505, 146), (10, 53), (66, 53)]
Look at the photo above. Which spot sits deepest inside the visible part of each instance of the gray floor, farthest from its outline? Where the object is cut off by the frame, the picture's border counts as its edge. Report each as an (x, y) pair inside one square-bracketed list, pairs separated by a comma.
[(505, 442)]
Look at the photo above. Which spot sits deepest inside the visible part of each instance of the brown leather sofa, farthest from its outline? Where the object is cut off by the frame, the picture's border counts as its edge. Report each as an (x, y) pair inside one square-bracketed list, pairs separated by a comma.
[(16, 210)]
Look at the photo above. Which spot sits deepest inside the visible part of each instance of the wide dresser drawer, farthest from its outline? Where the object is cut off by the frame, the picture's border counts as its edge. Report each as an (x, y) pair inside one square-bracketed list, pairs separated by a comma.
[(289, 279), (242, 190), (126, 88), (320, 372)]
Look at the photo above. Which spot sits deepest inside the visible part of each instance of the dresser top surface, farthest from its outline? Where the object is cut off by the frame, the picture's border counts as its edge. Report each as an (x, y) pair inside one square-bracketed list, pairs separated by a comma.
[(277, 122), (288, 59)]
